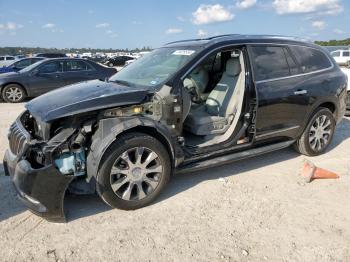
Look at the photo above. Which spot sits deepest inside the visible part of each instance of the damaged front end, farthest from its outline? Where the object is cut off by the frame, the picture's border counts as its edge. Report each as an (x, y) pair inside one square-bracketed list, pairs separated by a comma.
[(43, 160)]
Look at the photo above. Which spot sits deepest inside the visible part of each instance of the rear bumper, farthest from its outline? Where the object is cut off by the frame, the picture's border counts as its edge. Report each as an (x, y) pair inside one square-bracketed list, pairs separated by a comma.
[(42, 190)]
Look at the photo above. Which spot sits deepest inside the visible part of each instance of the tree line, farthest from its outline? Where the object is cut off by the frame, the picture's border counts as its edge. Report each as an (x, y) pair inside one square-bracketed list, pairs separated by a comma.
[(334, 42), (36, 50)]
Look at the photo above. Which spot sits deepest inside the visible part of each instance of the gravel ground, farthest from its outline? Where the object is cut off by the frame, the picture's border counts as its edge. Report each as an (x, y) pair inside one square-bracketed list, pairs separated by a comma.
[(253, 210)]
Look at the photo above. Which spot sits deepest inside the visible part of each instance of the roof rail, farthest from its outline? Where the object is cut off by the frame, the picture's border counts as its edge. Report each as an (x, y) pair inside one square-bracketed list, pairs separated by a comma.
[(199, 39)]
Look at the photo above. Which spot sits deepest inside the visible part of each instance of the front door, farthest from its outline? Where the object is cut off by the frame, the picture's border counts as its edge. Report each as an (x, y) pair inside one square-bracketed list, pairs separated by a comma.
[(48, 77)]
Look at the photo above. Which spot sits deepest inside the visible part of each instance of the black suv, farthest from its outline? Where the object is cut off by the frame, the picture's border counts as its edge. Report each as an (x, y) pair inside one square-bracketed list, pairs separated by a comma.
[(118, 60), (186, 106)]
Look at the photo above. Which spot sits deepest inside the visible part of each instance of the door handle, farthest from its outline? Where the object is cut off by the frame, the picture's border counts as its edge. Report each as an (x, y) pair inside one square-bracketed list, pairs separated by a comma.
[(300, 92), (57, 76)]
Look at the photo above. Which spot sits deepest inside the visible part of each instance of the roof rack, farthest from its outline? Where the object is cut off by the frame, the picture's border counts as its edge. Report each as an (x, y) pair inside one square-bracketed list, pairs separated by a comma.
[(199, 39), (249, 36)]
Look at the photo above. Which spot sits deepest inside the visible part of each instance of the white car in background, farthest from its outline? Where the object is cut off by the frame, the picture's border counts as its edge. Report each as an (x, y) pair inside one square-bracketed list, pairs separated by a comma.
[(346, 71), (342, 57), (6, 60)]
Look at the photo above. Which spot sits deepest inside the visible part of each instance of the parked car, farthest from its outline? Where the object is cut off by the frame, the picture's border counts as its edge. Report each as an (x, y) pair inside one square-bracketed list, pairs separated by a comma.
[(129, 62), (187, 106), (6, 60), (342, 57), (97, 59), (51, 55), (18, 57), (118, 60), (47, 75), (20, 64)]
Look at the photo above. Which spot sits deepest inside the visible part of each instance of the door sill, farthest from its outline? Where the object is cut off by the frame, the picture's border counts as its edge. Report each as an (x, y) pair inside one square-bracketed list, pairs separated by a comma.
[(221, 160)]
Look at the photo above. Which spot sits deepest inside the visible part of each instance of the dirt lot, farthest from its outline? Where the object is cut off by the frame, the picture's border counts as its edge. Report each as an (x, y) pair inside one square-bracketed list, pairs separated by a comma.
[(253, 210)]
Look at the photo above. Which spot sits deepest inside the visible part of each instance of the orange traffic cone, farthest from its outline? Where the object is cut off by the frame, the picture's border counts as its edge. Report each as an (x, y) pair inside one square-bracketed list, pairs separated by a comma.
[(311, 172)]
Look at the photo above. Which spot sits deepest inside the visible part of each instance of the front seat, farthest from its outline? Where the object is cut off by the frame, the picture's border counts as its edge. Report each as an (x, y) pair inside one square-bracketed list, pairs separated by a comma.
[(215, 116), (198, 79)]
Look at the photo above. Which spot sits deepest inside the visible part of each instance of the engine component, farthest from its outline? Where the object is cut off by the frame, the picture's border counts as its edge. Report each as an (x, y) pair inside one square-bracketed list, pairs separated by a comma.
[(73, 163)]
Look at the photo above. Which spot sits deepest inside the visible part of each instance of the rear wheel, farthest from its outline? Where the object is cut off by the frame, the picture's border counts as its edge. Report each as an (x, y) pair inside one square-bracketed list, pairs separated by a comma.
[(110, 64), (13, 93), (318, 134), (133, 172)]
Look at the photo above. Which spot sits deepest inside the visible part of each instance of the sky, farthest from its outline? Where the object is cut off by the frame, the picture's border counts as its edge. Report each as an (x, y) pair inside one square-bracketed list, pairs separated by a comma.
[(137, 23)]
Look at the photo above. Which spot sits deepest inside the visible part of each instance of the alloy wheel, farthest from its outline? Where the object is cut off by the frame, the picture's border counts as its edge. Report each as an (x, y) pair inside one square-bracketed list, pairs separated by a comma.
[(14, 94), (136, 173), (320, 133)]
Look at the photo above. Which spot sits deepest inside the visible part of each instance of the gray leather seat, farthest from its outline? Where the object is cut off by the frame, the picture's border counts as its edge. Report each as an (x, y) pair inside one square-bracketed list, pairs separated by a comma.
[(215, 116)]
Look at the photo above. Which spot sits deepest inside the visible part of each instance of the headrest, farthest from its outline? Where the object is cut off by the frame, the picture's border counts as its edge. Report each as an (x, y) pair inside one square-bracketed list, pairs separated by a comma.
[(233, 66)]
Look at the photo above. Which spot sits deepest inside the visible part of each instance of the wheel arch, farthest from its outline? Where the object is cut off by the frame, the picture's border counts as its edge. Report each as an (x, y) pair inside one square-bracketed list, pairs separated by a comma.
[(13, 83), (101, 142), (331, 105)]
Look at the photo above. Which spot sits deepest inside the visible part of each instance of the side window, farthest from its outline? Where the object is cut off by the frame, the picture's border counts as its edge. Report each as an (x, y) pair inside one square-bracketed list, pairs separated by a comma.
[(51, 67), (10, 58), (310, 59), (76, 66), (269, 62), (212, 62), (346, 53), (336, 54), (2, 58), (293, 67)]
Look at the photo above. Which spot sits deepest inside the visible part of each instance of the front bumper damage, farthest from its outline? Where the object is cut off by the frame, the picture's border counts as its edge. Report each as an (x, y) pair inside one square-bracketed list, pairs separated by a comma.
[(41, 189)]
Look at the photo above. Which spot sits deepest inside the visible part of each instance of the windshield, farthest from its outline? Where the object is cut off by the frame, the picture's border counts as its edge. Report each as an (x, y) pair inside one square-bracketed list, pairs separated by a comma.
[(154, 68)]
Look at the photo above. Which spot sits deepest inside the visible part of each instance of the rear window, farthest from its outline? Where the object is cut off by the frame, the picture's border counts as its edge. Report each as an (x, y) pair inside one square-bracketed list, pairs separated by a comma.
[(310, 59), (346, 53), (76, 66), (270, 62)]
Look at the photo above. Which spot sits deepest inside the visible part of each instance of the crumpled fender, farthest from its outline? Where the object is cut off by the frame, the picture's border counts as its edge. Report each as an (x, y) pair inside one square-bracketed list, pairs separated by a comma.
[(110, 128)]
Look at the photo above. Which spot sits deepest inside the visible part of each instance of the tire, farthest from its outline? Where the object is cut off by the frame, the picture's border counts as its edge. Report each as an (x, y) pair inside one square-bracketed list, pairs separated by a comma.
[(110, 64), (13, 93), (132, 184), (318, 134)]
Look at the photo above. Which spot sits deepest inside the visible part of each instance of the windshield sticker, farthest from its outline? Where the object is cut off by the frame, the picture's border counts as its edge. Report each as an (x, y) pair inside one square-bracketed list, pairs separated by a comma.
[(184, 52), (154, 82)]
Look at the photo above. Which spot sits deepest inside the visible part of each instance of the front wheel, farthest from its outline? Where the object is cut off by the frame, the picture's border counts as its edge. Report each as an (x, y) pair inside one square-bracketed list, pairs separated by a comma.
[(318, 133), (133, 172), (13, 93)]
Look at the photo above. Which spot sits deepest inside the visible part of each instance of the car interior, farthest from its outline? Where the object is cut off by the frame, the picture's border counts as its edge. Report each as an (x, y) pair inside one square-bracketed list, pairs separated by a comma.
[(213, 99)]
